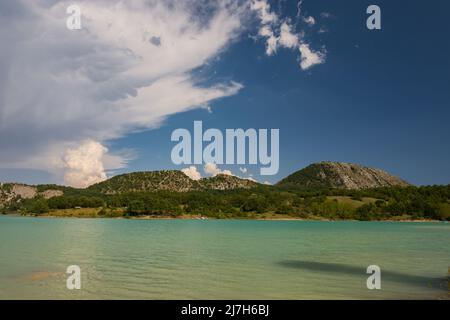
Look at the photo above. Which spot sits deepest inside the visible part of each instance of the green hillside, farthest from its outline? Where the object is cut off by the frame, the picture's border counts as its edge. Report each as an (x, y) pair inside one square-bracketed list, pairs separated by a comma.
[(320, 191), (171, 180)]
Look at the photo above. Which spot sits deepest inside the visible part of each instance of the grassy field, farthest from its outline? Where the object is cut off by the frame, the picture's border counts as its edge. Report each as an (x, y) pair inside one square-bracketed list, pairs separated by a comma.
[(352, 202), (118, 213), (445, 209), (85, 213)]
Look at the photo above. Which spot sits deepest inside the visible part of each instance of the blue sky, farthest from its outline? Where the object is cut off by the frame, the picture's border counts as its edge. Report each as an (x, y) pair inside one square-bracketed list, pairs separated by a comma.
[(380, 99)]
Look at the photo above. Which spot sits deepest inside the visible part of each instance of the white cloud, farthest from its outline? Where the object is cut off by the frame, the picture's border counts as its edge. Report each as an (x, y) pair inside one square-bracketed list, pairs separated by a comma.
[(279, 32), (271, 40), (267, 20), (310, 58), (262, 7), (213, 170), (271, 45), (84, 165), (326, 15), (322, 30), (309, 20), (287, 38), (127, 69), (192, 173)]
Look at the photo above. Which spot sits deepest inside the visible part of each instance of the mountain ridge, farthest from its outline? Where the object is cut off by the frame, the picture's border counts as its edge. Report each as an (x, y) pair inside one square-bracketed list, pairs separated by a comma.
[(170, 180), (327, 190), (325, 174)]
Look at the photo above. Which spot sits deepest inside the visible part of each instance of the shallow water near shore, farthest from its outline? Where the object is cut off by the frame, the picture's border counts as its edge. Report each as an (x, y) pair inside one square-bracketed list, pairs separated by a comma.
[(222, 259)]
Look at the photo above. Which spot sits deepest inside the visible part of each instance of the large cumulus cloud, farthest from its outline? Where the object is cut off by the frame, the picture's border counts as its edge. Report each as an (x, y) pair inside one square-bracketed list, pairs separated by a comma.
[(64, 93), (128, 68)]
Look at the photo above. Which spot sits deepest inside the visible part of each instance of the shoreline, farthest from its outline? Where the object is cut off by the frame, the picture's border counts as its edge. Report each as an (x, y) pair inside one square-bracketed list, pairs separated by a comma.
[(204, 218)]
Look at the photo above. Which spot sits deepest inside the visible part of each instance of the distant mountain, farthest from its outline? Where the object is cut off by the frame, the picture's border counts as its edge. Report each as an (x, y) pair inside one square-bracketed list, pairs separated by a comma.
[(340, 175), (170, 180)]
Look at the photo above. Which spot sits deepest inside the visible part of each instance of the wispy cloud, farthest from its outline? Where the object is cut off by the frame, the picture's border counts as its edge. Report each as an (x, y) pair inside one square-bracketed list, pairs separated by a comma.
[(127, 69), (65, 93), (309, 20), (309, 57), (279, 32)]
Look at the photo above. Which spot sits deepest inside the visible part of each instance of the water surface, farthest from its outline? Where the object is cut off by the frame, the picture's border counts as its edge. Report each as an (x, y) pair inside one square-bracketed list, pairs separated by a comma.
[(221, 259)]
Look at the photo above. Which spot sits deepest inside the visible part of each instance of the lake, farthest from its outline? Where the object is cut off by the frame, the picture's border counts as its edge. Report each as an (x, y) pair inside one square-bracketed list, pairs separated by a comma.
[(221, 259)]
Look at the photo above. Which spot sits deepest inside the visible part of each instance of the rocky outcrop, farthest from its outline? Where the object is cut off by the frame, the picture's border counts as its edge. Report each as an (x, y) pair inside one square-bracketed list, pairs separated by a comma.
[(23, 191), (47, 194), (10, 192), (226, 182), (15, 192), (341, 175)]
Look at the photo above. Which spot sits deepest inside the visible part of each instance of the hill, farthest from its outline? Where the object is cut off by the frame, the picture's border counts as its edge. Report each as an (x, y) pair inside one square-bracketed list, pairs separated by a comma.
[(340, 175), (168, 180), (326, 190)]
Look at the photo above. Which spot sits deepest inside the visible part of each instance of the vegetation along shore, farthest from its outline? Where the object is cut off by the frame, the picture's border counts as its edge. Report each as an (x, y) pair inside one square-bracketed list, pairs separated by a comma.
[(322, 191)]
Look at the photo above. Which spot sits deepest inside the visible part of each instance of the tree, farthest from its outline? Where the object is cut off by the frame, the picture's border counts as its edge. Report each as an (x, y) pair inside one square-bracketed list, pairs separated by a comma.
[(39, 206), (136, 207)]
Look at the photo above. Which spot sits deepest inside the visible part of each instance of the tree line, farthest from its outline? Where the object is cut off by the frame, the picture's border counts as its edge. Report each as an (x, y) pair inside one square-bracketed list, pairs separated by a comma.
[(431, 202)]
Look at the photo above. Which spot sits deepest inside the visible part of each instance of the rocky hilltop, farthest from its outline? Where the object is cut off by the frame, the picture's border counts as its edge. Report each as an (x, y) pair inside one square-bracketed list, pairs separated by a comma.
[(170, 180), (226, 182), (340, 175)]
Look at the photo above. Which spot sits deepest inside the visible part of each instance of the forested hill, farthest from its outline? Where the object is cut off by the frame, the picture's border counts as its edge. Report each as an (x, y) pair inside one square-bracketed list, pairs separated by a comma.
[(169, 180), (325, 190)]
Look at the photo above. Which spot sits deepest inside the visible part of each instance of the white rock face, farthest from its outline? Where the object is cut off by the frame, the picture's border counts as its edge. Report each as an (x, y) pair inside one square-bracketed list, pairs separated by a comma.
[(352, 176), (25, 192), (341, 175), (14, 191), (47, 194)]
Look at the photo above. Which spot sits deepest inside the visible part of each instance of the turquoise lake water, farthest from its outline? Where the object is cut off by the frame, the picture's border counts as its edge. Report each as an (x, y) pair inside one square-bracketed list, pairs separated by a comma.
[(221, 259)]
